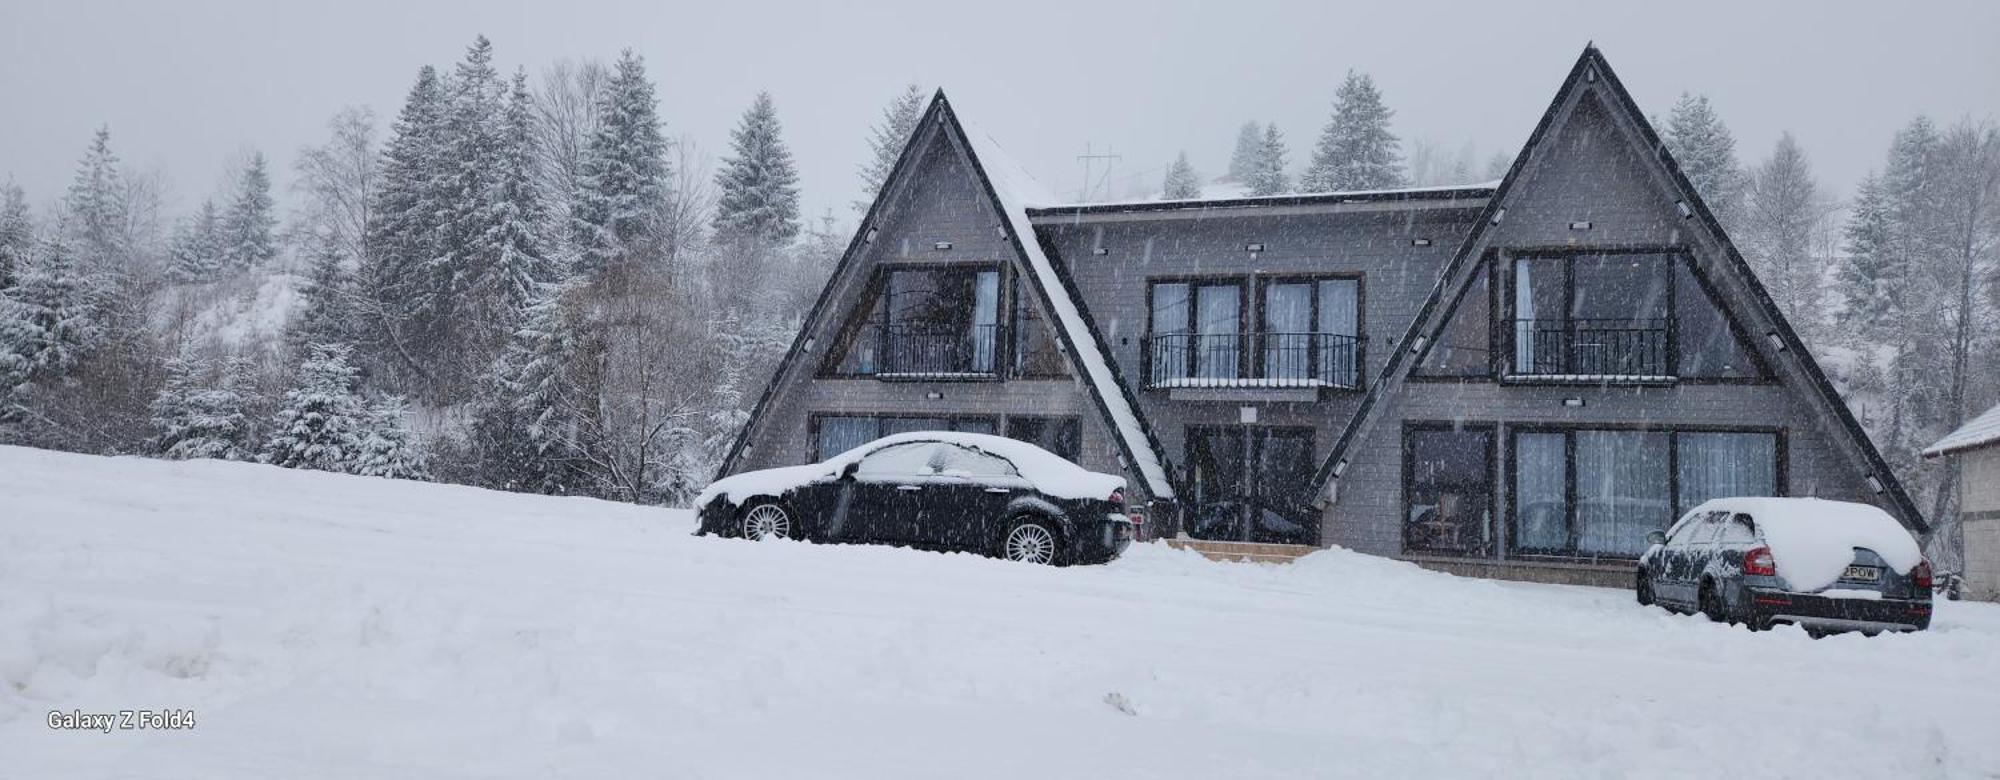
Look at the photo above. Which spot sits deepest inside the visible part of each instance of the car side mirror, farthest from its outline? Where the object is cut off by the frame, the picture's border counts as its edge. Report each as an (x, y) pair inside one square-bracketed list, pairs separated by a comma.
[(848, 470), (1656, 537)]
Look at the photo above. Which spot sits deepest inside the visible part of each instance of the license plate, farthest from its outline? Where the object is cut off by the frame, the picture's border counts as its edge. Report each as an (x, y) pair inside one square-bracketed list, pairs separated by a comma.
[(1862, 574)]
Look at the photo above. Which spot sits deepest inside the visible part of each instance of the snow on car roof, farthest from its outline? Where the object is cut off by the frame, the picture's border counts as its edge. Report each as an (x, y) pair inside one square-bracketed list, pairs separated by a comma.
[(1046, 470), (1016, 191), (1813, 540), (1981, 431)]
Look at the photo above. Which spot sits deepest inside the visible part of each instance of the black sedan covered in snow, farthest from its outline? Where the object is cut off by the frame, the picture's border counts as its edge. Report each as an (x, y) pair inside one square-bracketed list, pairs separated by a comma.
[(1824, 566), (932, 489)]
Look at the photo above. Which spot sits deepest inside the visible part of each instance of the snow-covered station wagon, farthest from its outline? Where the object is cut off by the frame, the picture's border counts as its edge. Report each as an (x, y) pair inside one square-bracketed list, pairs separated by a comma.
[(1519, 379)]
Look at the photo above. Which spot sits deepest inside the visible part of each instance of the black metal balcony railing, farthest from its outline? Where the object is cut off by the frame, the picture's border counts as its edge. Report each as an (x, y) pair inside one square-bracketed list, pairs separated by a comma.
[(1591, 347), (1253, 360), (926, 349)]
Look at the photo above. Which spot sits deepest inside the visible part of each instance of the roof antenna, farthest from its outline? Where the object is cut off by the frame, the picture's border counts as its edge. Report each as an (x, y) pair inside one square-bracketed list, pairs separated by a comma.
[(1084, 195)]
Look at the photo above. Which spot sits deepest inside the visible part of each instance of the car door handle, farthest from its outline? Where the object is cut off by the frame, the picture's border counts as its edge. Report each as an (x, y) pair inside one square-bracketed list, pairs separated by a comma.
[(908, 487), (998, 490)]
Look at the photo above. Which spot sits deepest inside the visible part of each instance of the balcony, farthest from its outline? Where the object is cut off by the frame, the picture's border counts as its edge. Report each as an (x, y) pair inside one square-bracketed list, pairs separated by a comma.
[(921, 350), (1632, 350), (1253, 360)]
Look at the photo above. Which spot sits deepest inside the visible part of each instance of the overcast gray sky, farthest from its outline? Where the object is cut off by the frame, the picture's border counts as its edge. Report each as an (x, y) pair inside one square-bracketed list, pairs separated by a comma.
[(187, 86)]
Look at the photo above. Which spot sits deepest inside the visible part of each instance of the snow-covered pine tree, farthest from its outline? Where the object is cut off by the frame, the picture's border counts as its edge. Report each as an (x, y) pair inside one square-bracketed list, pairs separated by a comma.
[(389, 449), (886, 140), (50, 322), (406, 222), (193, 420), (1249, 149), (624, 175), (185, 373), (1783, 227), (1356, 151), (94, 210), (1182, 181), (1268, 177), (326, 311), (323, 422), (1706, 152), (758, 188), (527, 428), (521, 259), (17, 233), (1870, 278), (246, 225), (194, 252)]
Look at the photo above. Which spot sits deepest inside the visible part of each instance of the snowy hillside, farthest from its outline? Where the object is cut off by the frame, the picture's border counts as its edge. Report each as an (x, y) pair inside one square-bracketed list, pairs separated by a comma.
[(334, 626)]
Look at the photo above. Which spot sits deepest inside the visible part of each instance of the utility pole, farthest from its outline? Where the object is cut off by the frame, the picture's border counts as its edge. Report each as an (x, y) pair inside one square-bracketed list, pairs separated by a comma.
[(1088, 158)]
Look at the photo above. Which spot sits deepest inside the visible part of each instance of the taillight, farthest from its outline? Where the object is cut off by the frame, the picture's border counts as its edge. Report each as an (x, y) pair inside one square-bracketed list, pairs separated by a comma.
[(1117, 497), (1760, 562), (1922, 574)]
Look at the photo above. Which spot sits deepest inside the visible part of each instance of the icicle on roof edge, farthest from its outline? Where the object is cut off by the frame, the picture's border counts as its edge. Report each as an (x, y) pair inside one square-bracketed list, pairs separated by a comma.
[(1017, 191)]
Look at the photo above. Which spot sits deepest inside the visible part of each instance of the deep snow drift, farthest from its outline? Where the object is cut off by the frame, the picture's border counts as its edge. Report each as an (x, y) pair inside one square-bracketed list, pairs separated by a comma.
[(330, 626)]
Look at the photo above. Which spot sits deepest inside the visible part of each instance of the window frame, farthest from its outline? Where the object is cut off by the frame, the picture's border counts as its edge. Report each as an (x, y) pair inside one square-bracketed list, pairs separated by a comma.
[(1503, 279), (1020, 301), (1494, 437), (1781, 485), (1241, 282), (1052, 420), (815, 420), (1494, 342), (876, 291), (1261, 318)]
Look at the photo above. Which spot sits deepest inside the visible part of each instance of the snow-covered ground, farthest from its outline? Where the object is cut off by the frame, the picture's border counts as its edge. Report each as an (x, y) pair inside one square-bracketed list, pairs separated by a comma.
[(342, 627)]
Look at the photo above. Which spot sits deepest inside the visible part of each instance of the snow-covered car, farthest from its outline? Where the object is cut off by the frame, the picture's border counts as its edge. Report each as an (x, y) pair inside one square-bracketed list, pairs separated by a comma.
[(1825, 566), (933, 489)]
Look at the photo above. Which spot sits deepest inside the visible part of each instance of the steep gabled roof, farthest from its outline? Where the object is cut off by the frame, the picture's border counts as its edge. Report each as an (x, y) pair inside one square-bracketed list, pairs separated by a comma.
[(1592, 68), (1011, 191)]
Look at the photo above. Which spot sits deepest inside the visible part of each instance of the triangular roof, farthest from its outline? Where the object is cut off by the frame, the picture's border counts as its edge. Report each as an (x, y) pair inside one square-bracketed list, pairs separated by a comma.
[(1011, 191), (1592, 70)]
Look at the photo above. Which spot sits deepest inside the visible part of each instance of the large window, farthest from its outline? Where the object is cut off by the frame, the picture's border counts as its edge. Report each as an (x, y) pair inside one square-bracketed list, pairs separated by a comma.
[(1464, 346), (926, 322), (1311, 331), (1060, 435), (1591, 315), (1709, 345), (1307, 334), (1448, 490), (1037, 355), (1251, 484), (837, 433), (1595, 493), (1196, 332)]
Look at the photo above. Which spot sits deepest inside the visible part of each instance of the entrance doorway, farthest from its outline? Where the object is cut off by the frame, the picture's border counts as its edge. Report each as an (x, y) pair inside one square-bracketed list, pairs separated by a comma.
[(1252, 484)]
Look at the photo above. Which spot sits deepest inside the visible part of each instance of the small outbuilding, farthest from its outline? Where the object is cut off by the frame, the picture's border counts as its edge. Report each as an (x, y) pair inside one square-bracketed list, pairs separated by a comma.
[(1976, 445)]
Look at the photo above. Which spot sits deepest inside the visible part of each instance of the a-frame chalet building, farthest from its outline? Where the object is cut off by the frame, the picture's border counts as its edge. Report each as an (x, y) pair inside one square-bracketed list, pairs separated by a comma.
[(1517, 379)]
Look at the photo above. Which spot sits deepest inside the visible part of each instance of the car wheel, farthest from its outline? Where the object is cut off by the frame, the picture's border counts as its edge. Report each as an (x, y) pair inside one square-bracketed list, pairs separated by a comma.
[(1030, 541), (768, 520), (1711, 603), (1644, 590)]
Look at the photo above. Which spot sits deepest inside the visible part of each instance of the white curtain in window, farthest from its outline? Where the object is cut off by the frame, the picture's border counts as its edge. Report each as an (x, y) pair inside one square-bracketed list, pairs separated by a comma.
[(1621, 490), (1287, 330), (1723, 465), (1524, 316), (985, 319), (1340, 316), (1541, 501)]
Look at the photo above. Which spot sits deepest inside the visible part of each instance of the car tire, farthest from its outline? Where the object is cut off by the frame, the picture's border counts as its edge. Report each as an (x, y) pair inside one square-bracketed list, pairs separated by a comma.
[(1031, 540), (1711, 604), (767, 520), (1643, 591)]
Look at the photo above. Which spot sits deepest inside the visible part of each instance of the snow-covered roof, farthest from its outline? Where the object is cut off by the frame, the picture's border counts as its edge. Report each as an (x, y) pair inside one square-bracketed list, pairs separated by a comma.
[(1979, 432), (1016, 191), (1236, 200)]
